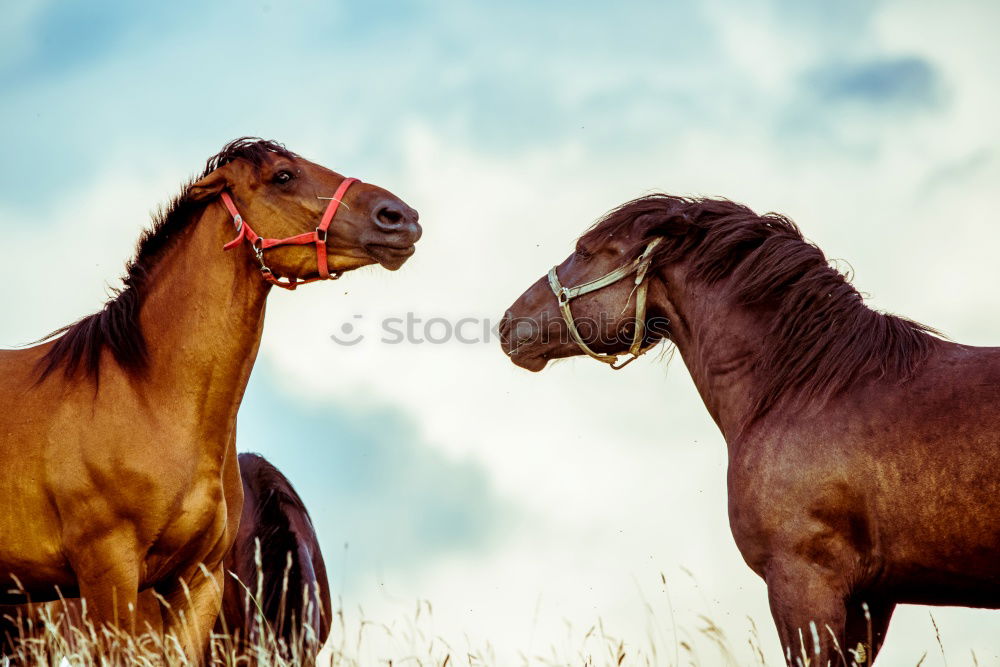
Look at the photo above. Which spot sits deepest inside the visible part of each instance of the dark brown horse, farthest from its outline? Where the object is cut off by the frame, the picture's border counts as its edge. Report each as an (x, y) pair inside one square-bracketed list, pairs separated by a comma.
[(118, 468), (864, 451), (277, 589)]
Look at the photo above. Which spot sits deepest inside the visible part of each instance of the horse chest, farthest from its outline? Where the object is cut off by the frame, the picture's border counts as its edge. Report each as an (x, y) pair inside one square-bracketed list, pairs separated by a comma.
[(196, 533), (783, 506), (201, 512)]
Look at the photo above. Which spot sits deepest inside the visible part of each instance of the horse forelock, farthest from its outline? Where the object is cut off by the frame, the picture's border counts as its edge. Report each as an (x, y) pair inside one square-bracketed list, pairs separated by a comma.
[(822, 338)]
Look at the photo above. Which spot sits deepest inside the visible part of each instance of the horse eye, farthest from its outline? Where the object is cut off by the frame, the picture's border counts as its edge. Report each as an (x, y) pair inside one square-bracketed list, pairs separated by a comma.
[(283, 177)]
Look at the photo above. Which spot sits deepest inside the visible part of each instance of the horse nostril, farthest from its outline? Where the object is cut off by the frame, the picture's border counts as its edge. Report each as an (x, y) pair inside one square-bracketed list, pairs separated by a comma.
[(395, 216), (389, 217)]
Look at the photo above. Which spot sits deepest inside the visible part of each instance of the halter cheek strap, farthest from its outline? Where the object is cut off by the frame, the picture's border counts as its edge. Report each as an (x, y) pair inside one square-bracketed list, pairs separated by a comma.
[(639, 266), (318, 237)]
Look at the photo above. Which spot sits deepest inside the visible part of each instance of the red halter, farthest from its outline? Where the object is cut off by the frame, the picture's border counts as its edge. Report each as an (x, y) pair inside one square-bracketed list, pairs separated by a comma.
[(318, 236)]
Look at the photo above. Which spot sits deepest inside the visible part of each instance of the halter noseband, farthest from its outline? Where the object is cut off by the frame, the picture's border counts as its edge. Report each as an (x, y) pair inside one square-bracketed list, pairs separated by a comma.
[(317, 236), (638, 266)]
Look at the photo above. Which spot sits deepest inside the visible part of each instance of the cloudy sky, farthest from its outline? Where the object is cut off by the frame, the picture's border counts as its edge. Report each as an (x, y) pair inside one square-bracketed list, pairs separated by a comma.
[(523, 507)]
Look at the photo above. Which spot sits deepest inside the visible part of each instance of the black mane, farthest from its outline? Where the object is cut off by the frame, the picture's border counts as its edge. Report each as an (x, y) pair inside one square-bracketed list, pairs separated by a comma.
[(116, 326), (822, 340)]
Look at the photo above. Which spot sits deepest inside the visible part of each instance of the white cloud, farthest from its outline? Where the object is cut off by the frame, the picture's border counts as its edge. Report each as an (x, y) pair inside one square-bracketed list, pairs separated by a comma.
[(61, 262)]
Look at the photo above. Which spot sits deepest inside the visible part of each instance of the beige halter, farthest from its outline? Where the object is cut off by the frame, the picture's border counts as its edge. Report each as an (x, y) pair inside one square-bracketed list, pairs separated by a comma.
[(639, 266)]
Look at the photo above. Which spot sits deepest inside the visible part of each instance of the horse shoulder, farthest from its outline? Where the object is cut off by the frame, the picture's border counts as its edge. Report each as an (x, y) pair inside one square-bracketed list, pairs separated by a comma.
[(799, 492)]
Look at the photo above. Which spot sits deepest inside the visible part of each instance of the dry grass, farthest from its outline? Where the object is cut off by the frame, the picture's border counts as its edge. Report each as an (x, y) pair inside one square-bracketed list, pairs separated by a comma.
[(411, 641), (60, 634), (63, 634), (57, 635)]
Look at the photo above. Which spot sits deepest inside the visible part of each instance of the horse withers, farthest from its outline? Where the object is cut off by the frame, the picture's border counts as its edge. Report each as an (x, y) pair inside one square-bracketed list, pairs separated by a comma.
[(118, 467), (864, 450)]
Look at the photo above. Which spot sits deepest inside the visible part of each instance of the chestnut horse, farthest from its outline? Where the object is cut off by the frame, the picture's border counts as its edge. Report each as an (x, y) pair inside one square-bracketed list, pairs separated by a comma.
[(118, 468), (863, 449)]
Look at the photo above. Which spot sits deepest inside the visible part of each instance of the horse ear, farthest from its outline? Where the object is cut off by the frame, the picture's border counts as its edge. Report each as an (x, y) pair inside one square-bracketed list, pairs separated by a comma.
[(210, 186)]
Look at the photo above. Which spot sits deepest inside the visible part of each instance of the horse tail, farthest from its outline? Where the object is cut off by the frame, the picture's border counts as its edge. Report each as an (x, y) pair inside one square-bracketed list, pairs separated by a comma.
[(294, 592)]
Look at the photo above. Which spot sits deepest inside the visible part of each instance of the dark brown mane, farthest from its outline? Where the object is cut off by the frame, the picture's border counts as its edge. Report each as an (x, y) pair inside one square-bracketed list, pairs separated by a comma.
[(116, 325), (823, 338)]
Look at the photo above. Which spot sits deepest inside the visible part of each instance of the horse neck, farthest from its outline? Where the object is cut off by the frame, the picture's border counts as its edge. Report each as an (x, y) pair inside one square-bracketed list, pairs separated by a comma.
[(203, 317), (718, 342)]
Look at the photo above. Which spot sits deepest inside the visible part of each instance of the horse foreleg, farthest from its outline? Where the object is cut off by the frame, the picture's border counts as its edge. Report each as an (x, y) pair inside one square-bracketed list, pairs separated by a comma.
[(193, 605), (868, 619), (107, 571), (810, 614), (818, 624)]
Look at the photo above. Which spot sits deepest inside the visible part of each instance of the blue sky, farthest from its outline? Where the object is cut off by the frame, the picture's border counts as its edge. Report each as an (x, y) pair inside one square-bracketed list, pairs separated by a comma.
[(452, 475), (83, 80)]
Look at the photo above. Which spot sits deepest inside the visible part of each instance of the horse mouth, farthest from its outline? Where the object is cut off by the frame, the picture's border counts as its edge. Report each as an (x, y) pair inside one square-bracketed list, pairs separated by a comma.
[(389, 256), (533, 363)]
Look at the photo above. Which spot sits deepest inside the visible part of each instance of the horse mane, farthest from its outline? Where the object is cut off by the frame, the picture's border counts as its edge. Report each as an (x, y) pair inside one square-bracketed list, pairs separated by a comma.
[(279, 520), (822, 339), (115, 327)]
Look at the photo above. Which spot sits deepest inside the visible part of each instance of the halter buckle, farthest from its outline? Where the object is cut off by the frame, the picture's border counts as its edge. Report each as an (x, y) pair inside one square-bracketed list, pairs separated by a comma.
[(320, 235), (238, 221), (563, 296)]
